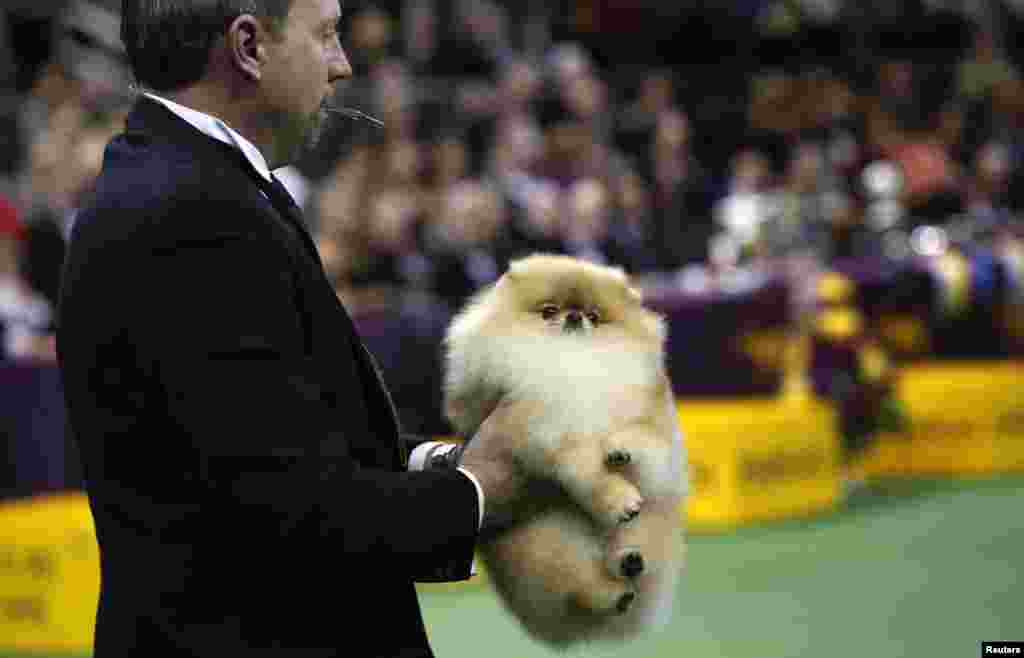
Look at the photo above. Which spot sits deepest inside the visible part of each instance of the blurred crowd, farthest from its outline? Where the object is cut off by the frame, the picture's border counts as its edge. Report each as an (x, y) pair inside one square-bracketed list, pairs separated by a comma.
[(661, 139)]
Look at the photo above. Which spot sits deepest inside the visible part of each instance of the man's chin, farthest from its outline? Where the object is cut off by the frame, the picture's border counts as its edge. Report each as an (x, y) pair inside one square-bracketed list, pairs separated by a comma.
[(299, 136), (315, 128)]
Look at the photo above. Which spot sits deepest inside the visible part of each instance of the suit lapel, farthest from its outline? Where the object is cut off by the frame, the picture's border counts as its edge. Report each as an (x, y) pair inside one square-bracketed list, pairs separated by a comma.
[(379, 398), (285, 205), (382, 407)]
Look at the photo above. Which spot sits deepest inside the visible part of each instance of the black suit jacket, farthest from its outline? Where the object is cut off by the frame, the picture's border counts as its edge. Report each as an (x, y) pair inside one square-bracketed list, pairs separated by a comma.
[(241, 454)]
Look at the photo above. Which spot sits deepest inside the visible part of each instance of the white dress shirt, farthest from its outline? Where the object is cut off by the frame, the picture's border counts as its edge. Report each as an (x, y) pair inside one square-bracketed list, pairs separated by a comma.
[(217, 129), (214, 127)]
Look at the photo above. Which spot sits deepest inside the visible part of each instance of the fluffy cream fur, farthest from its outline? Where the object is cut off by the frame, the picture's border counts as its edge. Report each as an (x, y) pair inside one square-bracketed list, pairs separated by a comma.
[(602, 558)]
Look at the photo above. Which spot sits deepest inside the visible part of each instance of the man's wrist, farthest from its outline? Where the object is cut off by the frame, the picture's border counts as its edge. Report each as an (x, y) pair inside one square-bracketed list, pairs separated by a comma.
[(434, 454), (442, 455)]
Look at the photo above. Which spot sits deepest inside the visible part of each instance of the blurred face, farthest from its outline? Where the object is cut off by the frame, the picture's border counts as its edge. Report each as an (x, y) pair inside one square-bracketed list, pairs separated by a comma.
[(542, 210), (452, 160), (588, 210), (805, 167), (586, 96), (8, 256), (993, 165), (371, 30), (750, 171), (304, 60), (673, 131), (521, 84)]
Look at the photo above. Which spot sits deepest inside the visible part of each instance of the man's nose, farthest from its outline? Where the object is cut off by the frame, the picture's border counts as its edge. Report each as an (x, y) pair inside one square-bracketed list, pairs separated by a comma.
[(339, 68)]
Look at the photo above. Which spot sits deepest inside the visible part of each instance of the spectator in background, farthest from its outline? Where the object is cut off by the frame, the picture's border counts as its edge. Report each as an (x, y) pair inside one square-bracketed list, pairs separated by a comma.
[(835, 123), (800, 217), (535, 222), (745, 205), (893, 106), (988, 189), (462, 245), (567, 62), (983, 68), (24, 316), (519, 90), (516, 158), (1006, 123), (473, 38), (682, 197), (632, 224), (371, 36), (775, 115), (637, 120), (931, 179), (586, 229), (64, 163)]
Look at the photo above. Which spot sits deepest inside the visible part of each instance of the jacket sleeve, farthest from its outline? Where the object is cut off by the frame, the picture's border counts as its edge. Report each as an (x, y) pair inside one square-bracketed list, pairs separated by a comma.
[(226, 339)]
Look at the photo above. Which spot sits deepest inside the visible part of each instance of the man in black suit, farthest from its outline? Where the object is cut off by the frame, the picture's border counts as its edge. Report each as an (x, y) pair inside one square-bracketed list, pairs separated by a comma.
[(242, 457)]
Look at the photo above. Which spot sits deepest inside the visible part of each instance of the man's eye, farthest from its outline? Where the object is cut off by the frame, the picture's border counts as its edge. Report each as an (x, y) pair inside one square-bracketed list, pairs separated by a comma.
[(594, 317), (548, 311)]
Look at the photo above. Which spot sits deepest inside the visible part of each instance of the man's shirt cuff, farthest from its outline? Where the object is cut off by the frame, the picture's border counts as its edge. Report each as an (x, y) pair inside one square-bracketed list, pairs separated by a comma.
[(424, 456)]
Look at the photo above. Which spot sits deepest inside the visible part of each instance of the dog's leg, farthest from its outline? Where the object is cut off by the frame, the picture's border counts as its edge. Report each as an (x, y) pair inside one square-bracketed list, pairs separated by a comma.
[(581, 465), (642, 454), (553, 566), (649, 543)]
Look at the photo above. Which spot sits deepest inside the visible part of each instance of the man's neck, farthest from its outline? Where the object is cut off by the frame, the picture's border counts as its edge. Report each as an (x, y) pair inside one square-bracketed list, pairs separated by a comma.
[(217, 102)]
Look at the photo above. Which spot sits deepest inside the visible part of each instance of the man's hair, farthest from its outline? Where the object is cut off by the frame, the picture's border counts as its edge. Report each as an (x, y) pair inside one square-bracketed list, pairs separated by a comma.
[(168, 41)]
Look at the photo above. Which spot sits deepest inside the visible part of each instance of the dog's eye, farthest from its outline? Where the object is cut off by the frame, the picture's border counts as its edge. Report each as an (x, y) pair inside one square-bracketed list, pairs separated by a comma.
[(548, 311), (594, 317)]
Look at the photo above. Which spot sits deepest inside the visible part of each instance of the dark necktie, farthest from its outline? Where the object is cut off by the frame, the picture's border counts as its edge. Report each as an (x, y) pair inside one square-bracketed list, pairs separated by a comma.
[(283, 202), (282, 194)]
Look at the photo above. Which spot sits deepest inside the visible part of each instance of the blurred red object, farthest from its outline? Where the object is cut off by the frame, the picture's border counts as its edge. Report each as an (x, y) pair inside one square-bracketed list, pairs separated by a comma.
[(10, 221), (927, 166)]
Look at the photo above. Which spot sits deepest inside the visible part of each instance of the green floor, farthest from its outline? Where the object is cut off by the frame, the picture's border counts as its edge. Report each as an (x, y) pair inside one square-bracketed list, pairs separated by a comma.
[(915, 569)]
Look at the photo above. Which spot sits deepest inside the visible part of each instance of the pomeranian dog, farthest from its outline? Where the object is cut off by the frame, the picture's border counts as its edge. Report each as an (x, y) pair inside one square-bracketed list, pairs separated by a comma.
[(569, 344)]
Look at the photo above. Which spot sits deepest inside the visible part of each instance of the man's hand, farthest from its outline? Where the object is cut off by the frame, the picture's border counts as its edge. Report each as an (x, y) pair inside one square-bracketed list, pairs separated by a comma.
[(489, 457)]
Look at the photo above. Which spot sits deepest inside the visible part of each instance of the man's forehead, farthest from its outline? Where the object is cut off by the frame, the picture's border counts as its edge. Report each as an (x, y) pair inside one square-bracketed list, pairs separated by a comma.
[(317, 10)]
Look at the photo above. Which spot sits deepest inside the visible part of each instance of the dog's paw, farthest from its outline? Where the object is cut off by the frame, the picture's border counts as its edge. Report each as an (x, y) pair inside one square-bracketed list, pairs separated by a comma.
[(626, 563), (619, 505), (632, 564), (618, 458), (625, 601), (631, 511)]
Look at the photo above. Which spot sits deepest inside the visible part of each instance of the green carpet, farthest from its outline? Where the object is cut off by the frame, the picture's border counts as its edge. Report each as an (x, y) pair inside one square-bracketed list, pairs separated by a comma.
[(921, 568), (914, 569)]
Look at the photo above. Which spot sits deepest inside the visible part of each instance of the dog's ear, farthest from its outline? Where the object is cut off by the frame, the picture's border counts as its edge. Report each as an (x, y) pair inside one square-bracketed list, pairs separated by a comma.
[(632, 295), (631, 292), (516, 269)]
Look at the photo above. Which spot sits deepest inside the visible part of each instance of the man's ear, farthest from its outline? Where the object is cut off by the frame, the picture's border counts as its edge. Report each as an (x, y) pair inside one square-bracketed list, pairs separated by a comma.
[(245, 39)]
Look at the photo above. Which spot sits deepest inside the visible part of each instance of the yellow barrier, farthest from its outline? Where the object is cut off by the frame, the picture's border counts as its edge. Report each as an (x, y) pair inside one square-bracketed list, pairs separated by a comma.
[(758, 460), (49, 574), (965, 418)]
